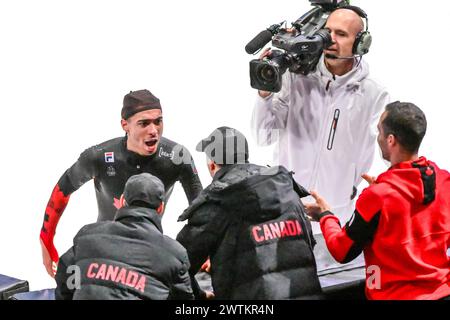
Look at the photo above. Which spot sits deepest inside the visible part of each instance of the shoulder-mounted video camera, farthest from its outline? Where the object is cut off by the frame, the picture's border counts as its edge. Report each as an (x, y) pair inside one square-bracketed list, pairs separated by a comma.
[(303, 45)]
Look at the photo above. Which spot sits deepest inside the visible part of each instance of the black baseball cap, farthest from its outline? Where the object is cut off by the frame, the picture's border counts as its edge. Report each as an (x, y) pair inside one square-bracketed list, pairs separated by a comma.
[(225, 146), (144, 188)]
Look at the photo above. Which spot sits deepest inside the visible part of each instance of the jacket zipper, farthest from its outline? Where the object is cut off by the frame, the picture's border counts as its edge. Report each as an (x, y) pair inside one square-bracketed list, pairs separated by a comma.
[(332, 133)]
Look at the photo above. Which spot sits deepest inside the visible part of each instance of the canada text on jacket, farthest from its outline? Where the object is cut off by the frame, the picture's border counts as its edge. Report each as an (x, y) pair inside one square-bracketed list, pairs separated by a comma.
[(276, 230), (116, 274)]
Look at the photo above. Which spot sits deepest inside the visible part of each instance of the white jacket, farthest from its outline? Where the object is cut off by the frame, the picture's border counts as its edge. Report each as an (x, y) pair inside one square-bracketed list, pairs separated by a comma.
[(328, 160)]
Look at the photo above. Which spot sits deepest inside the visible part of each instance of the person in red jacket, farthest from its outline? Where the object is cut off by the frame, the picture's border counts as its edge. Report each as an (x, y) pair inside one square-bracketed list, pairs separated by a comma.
[(401, 221)]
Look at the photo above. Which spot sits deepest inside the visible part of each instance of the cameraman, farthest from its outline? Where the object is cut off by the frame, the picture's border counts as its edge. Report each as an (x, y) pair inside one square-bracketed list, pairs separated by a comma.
[(324, 124)]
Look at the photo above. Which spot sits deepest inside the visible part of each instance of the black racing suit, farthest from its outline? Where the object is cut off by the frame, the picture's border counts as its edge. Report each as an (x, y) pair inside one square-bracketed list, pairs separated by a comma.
[(110, 164)]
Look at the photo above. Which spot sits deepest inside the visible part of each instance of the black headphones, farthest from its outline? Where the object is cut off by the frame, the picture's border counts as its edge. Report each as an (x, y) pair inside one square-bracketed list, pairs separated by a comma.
[(363, 39)]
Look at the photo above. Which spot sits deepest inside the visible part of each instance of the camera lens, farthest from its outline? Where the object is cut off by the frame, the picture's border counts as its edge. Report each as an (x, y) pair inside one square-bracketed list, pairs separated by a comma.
[(267, 73)]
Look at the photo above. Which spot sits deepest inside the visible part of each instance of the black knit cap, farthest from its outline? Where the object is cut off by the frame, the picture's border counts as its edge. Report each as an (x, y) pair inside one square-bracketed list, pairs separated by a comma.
[(137, 101)]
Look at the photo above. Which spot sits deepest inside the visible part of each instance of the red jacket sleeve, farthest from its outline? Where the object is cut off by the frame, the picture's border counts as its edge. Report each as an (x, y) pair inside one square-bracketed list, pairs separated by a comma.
[(347, 243), (336, 238)]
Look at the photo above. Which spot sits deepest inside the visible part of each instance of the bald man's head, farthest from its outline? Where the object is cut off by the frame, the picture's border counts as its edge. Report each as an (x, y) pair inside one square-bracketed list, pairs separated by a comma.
[(343, 25), (349, 18)]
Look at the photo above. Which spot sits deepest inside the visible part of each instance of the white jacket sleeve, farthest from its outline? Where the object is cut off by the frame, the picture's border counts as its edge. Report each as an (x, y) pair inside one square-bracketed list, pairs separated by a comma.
[(270, 114), (369, 140)]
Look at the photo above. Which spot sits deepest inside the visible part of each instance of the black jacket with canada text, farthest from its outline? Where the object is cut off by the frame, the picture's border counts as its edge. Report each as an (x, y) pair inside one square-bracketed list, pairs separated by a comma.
[(251, 223), (128, 258)]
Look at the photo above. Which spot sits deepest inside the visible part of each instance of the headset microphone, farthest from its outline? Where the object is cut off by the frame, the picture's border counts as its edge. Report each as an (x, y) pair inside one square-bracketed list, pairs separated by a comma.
[(332, 56)]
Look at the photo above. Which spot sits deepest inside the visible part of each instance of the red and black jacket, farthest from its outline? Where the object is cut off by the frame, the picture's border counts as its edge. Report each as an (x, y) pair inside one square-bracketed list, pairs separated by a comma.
[(402, 224)]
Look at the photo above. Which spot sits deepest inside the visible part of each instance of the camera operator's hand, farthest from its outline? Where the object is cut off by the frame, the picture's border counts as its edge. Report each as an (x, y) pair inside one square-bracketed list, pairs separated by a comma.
[(265, 53)]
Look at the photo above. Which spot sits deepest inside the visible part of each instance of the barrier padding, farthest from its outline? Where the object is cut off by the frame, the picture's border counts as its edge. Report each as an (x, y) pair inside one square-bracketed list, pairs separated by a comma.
[(46, 294), (10, 286)]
